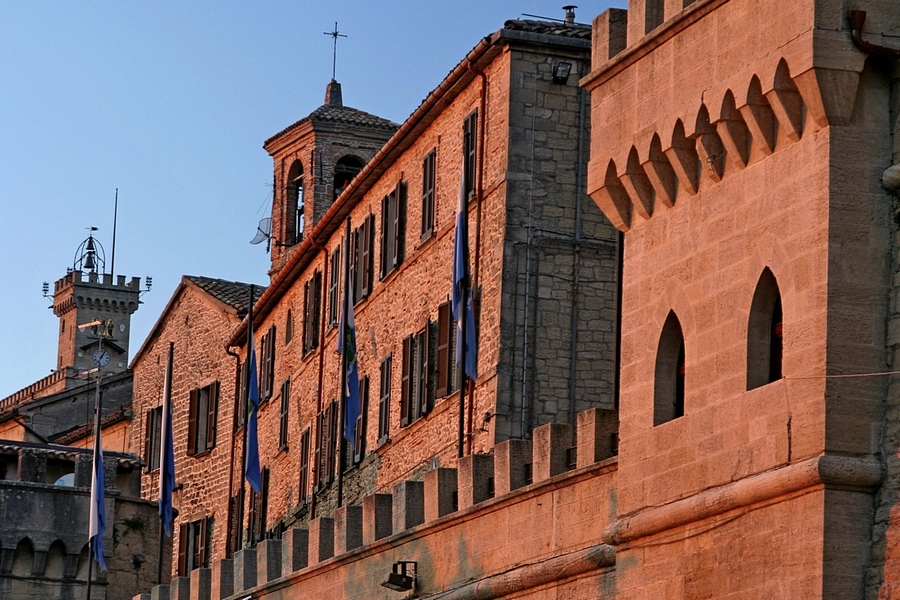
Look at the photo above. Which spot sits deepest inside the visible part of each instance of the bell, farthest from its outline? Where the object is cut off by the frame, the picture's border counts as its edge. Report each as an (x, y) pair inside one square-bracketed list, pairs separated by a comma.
[(90, 245), (89, 264)]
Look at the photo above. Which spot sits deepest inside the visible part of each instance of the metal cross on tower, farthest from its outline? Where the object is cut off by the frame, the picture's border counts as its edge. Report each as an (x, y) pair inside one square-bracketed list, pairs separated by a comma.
[(335, 34)]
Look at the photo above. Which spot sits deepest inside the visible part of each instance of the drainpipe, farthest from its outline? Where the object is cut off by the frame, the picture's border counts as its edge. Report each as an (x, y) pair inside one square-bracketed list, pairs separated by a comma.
[(479, 196), (576, 266), (229, 526), (321, 358)]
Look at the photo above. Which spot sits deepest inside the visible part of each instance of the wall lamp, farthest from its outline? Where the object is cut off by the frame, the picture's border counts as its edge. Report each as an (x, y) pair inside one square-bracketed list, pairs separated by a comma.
[(561, 72), (402, 577)]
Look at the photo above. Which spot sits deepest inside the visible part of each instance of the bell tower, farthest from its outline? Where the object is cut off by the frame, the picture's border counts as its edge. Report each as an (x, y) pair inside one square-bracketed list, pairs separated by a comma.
[(88, 294)]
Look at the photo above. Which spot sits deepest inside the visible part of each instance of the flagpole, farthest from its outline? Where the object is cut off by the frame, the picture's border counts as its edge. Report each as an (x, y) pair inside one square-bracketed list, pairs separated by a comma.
[(94, 482), (342, 444), (245, 392), (165, 441)]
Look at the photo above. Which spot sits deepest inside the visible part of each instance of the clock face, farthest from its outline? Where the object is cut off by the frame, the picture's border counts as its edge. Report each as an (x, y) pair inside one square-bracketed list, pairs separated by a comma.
[(100, 357)]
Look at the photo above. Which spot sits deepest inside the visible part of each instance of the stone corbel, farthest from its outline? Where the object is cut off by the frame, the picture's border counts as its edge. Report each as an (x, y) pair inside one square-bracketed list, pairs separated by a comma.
[(830, 94), (610, 196)]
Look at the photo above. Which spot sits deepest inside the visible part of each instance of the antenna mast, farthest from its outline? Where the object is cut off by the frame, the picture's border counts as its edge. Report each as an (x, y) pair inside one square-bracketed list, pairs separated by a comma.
[(112, 261)]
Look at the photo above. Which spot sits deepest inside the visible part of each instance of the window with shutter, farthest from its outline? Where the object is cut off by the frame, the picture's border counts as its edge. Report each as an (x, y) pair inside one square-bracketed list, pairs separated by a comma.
[(152, 438), (359, 444), (428, 178), (202, 419), (283, 420), (384, 400), (405, 381), (334, 278), (304, 466), (312, 302), (193, 545), (288, 327), (470, 141), (442, 359), (258, 507)]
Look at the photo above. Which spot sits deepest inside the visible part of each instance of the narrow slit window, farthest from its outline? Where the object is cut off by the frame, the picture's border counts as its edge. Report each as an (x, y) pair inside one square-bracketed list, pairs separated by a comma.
[(669, 381), (765, 333)]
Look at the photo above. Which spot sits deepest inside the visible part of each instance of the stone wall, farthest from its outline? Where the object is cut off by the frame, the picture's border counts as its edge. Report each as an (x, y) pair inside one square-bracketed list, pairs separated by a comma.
[(469, 530), (43, 544), (727, 141), (199, 327)]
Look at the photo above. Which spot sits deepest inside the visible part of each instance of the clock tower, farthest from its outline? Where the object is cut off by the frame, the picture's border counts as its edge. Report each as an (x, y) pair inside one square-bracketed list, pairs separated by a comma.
[(88, 294)]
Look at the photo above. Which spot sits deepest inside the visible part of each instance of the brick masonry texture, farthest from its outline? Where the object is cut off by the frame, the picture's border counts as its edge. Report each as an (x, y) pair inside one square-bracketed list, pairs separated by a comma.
[(199, 326)]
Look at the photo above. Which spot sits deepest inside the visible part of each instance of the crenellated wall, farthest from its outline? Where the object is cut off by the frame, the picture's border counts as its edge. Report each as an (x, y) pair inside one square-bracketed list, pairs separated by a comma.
[(472, 530), (44, 525)]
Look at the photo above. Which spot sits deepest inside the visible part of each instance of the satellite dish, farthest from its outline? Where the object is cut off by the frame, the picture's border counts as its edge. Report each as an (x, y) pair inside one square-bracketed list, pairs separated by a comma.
[(263, 231)]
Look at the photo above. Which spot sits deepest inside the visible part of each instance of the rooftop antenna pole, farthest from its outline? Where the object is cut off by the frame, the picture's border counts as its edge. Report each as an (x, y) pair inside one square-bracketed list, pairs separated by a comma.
[(112, 266), (335, 35)]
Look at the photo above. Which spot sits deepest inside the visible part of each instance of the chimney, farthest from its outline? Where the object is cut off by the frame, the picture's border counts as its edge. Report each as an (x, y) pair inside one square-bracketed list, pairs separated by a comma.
[(333, 94), (570, 14)]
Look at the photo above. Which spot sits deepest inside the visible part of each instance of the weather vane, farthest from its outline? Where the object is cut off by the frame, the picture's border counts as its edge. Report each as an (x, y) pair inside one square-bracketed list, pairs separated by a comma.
[(335, 34)]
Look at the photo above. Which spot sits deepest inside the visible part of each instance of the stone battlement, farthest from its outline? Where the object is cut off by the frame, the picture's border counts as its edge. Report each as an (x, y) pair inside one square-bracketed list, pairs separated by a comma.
[(487, 491), (45, 465), (105, 279)]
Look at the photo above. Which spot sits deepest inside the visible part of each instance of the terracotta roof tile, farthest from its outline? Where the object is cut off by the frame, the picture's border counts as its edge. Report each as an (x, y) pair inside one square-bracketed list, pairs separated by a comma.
[(575, 30), (232, 293)]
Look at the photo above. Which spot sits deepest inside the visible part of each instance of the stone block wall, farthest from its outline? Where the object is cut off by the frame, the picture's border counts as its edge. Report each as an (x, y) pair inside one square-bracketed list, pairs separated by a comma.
[(490, 547), (727, 141), (43, 547)]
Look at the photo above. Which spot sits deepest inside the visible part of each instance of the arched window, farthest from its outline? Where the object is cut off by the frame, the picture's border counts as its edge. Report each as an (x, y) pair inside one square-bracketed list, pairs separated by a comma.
[(668, 387), (23, 559), (344, 172), (56, 561), (295, 204), (765, 333)]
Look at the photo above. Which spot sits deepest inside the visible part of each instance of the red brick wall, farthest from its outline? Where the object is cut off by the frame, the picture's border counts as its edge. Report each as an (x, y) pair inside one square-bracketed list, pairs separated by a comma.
[(199, 328)]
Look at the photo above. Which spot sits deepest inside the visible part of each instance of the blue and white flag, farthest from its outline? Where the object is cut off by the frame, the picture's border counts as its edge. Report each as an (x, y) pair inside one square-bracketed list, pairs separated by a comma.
[(251, 469), (462, 287), (167, 452), (98, 498), (346, 345)]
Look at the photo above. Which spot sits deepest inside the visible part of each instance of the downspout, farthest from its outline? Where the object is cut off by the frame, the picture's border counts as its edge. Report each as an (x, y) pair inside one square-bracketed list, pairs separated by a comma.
[(479, 193), (524, 425), (314, 471), (229, 526), (576, 266)]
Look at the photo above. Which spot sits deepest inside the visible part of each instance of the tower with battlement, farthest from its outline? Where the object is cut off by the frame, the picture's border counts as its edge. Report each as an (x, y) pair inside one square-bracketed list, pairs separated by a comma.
[(88, 294)]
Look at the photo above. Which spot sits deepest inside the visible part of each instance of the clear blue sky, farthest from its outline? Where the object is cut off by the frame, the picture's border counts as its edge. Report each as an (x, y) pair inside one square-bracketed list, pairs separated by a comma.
[(170, 102)]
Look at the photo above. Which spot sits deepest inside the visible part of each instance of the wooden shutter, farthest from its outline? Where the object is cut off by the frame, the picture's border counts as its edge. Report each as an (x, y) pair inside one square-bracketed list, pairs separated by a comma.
[(405, 381), (306, 317), (182, 549), (192, 422), (304, 467), (384, 400), (444, 325), (213, 412), (359, 444), (202, 542), (386, 243), (317, 307), (399, 222), (320, 440)]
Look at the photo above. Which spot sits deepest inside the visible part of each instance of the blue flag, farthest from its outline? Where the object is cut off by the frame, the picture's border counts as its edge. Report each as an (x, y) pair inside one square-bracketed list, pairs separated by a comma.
[(98, 498), (462, 287), (347, 344), (251, 469), (167, 452)]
